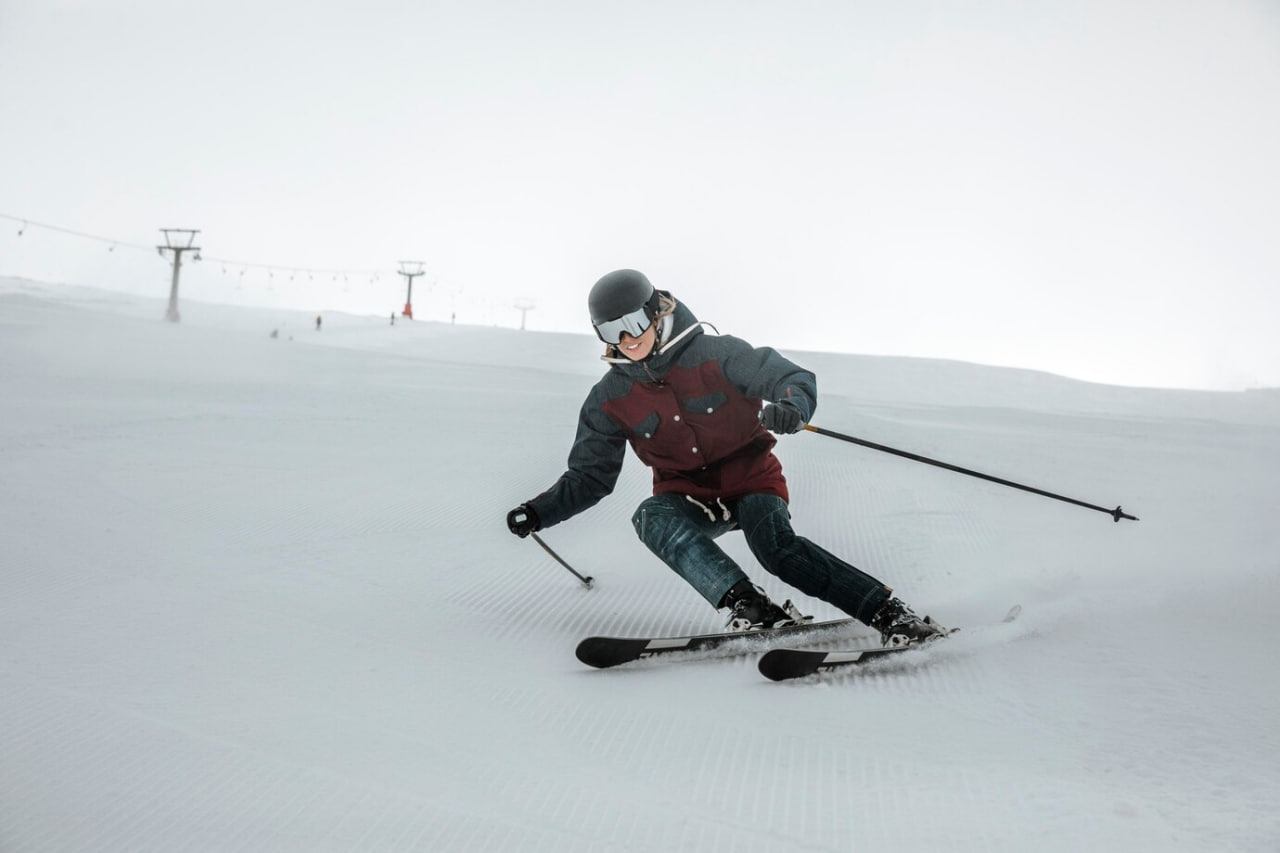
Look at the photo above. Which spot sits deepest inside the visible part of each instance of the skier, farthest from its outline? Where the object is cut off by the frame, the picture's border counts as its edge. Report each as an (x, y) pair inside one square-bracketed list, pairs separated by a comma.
[(689, 403)]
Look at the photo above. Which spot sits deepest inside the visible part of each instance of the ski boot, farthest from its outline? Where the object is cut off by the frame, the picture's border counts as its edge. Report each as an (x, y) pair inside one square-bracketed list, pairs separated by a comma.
[(751, 609), (899, 626)]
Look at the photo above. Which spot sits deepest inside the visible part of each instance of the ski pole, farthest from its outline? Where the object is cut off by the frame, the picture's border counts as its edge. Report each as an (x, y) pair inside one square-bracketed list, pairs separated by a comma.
[(587, 581), (1116, 514)]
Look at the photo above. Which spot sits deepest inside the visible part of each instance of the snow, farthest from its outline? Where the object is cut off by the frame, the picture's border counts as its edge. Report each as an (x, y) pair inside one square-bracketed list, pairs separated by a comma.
[(257, 594)]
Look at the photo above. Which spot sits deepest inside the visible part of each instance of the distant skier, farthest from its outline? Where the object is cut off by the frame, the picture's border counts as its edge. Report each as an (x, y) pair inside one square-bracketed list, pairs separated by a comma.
[(318, 320), (689, 404)]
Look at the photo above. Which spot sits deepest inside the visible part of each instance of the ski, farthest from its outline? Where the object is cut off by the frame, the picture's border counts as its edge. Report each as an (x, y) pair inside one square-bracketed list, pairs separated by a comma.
[(604, 652), (784, 664), (787, 663)]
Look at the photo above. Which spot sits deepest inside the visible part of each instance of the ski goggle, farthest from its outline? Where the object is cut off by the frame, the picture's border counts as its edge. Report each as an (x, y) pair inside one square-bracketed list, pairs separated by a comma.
[(634, 323)]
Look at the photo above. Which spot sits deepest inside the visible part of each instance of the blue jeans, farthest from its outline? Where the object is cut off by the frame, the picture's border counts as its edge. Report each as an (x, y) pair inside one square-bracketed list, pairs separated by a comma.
[(682, 534)]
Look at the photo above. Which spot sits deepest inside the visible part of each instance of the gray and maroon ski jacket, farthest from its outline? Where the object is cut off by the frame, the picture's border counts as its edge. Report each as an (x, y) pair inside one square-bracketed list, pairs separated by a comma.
[(690, 412)]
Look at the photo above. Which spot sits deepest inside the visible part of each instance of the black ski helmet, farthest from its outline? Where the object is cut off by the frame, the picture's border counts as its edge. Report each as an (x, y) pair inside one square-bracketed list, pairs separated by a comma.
[(621, 292)]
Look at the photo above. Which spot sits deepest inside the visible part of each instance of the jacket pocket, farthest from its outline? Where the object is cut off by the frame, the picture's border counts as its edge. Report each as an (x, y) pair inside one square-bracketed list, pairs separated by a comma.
[(647, 428), (706, 405)]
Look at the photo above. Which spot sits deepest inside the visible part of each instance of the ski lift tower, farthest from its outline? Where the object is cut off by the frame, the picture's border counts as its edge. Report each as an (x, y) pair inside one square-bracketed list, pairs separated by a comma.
[(410, 270), (177, 240), (524, 306)]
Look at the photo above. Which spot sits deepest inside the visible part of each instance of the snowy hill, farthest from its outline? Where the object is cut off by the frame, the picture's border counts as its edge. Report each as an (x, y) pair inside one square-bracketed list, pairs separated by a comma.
[(256, 593)]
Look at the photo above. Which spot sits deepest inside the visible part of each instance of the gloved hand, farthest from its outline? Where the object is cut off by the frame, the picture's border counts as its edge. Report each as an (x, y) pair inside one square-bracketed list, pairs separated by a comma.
[(523, 520), (781, 418)]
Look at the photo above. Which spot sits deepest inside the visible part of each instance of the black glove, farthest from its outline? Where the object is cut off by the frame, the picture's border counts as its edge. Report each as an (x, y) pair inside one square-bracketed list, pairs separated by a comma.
[(781, 418), (523, 520)]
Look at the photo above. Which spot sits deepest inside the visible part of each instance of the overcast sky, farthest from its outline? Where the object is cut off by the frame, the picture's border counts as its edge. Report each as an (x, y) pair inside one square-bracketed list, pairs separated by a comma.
[(1087, 188)]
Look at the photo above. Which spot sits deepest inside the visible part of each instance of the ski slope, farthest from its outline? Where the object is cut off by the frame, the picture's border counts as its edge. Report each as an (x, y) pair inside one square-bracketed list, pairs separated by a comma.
[(257, 594)]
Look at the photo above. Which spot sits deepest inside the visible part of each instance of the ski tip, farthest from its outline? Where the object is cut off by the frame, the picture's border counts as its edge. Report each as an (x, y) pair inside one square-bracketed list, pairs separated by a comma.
[(586, 655), (784, 664), (595, 654), (604, 652)]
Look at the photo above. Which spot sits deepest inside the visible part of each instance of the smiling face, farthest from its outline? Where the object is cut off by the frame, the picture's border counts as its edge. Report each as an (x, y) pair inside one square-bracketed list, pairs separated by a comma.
[(639, 348)]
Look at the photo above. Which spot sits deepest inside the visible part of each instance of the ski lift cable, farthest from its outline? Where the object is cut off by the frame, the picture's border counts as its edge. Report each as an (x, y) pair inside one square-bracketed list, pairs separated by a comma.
[(112, 243), (30, 223)]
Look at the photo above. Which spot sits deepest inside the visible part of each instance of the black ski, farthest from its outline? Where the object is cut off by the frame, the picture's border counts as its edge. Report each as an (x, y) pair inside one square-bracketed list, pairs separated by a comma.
[(786, 663), (602, 652), (782, 664)]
